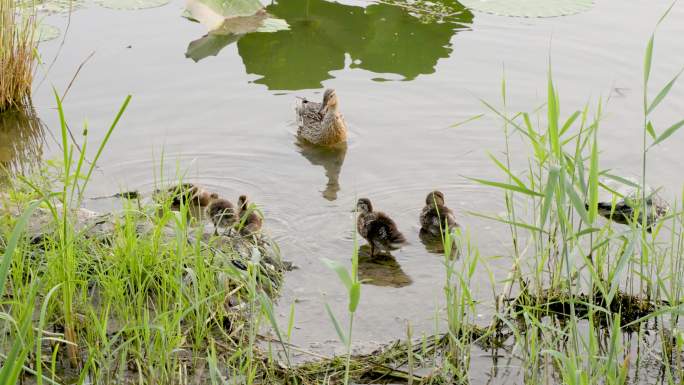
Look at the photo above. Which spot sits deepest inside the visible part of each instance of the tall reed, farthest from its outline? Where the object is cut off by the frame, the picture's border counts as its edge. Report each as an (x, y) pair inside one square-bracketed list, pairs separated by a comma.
[(17, 54)]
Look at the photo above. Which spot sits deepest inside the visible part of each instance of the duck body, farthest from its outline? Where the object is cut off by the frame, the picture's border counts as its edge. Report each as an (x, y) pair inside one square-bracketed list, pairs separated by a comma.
[(223, 214), (321, 123), (190, 194), (251, 221), (436, 216), (377, 228)]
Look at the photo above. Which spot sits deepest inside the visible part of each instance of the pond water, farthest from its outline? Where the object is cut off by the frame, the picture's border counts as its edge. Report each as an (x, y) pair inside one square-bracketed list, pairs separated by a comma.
[(225, 116)]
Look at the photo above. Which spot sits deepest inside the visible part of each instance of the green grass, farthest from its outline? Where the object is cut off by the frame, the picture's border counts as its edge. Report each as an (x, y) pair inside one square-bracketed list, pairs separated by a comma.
[(150, 300)]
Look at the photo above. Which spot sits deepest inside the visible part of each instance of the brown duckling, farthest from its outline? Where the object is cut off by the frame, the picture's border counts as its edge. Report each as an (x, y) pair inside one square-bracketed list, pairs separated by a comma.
[(250, 220), (436, 217), (190, 194), (377, 228), (223, 214)]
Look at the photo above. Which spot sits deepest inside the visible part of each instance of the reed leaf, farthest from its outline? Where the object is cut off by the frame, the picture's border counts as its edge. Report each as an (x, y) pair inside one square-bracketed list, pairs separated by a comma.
[(668, 132)]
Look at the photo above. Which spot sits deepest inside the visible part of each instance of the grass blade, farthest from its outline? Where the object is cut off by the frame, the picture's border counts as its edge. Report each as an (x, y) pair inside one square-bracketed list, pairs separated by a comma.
[(338, 328), (593, 182), (341, 272), (12, 243), (354, 296), (663, 93), (548, 194), (667, 133), (507, 186), (648, 59)]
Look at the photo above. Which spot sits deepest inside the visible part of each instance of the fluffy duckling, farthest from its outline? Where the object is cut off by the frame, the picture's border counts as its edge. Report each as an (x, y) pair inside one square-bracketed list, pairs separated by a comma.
[(436, 217), (377, 228), (223, 214), (321, 123), (190, 194), (251, 221)]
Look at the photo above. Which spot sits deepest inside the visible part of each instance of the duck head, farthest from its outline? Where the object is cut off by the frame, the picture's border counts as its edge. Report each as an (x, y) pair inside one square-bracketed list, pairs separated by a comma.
[(329, 100), (435, 198), (364, 206)]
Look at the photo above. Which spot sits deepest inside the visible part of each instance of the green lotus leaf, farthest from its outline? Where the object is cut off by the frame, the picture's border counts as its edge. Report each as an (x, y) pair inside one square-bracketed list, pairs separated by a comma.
[(50, 6), (131, 4), (45, 32)]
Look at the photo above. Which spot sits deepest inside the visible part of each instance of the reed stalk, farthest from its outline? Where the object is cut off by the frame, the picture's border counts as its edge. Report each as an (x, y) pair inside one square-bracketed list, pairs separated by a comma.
[(17, 54)]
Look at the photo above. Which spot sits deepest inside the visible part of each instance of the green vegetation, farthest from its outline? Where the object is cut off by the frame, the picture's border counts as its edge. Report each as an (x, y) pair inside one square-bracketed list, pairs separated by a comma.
[(146, 296), (17, 54)]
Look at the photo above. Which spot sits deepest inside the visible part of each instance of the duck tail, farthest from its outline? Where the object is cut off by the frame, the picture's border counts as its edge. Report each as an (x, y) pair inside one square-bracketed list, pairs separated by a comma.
[(396, 238)]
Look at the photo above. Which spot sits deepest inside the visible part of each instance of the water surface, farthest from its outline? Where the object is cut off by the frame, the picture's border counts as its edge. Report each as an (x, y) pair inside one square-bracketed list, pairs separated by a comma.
[(225, 117)]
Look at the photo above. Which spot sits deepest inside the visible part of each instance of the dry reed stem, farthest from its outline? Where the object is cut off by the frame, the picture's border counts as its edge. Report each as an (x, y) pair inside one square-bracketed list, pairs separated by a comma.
[(17, 54)]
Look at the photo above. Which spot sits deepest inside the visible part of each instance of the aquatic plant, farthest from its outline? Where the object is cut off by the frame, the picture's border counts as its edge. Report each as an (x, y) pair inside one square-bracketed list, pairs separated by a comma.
[(17, 54), (577, 283), (351, 282), (147, 295)]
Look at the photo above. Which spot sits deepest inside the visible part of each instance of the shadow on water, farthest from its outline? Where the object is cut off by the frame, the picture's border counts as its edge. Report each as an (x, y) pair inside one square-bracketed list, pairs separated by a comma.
[(22, 136), (331, 158), (381, 270), (381, 38)]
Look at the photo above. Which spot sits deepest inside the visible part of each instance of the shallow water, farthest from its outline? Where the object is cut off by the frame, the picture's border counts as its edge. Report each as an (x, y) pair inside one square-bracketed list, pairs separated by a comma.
[(227, 121)]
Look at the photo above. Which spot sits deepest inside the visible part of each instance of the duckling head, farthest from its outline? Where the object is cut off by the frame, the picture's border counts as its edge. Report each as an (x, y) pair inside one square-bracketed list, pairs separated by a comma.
[(243, 202), (329, 100), (364, 206), (435, 198)]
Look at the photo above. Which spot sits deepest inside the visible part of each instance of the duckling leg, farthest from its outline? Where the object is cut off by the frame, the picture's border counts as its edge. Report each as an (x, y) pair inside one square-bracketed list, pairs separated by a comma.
[(216, 231), (372, 247)]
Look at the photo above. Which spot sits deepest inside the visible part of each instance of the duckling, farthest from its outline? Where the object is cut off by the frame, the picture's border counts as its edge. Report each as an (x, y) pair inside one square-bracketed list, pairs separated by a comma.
[(251, 221), (222, 214), (377, 228), (190, 194), (436, 217), (321, 123)]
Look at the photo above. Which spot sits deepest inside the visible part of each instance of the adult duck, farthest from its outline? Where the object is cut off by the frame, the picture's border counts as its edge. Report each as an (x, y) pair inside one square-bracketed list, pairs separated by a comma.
[(321, 123)]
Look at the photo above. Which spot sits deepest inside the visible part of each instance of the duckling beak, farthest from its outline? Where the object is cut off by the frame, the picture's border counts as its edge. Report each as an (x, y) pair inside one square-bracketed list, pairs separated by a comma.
[(323, 107)]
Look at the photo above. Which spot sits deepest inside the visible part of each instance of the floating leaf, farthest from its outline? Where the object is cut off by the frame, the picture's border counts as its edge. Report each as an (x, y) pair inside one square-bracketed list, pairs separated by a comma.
[(45, 32), (237, 17), (227, 22), (131, 4), (273, 25), (222, 8), (529, 8), (50, 6)]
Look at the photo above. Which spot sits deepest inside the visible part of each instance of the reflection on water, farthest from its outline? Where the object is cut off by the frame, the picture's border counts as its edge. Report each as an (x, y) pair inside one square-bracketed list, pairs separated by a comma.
[(209, 45), (380, 38), (381, 270), (331, 158), (21, 140), (433, 243)]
